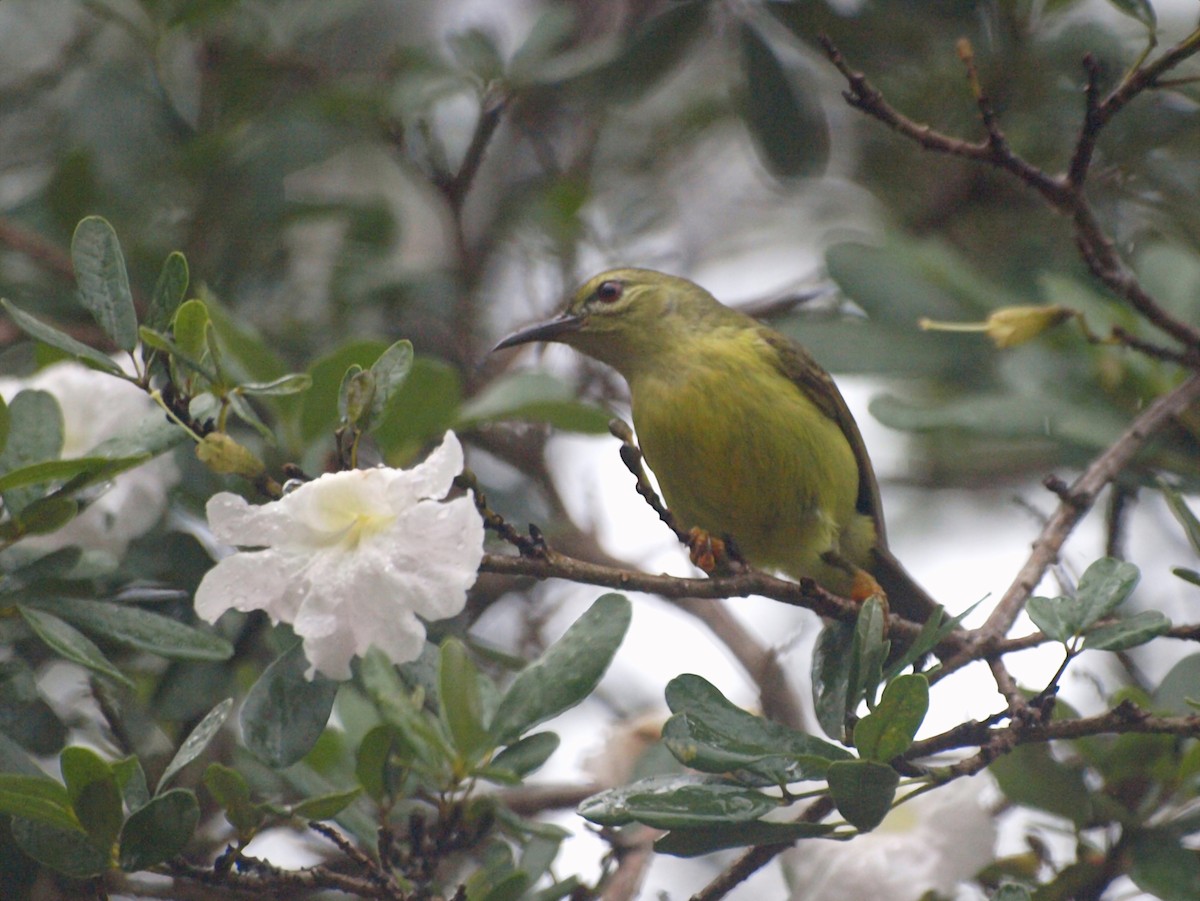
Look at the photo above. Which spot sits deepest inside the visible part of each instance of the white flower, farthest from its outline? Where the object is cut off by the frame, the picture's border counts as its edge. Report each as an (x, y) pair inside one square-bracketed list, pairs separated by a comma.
[(95, 407), (935, 841), (351, 558)]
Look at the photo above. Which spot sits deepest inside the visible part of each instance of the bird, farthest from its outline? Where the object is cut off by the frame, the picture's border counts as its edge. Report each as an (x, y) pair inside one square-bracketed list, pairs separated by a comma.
[(746, 434)]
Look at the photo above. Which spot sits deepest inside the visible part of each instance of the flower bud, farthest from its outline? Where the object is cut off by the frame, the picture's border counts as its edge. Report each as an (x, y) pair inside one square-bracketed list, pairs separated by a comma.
[(223, 455), (1008, 326)]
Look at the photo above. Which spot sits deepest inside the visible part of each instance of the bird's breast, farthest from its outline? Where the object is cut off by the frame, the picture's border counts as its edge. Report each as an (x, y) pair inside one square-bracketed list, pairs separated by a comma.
[(738, 449)]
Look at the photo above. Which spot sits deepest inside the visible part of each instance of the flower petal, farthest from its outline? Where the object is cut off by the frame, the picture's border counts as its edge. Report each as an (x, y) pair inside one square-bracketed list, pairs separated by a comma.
[(432, 477), (435, 573), (248, 581)]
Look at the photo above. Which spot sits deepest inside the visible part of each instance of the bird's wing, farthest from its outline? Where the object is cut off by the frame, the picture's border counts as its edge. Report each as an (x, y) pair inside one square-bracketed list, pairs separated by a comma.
[(798, 366)]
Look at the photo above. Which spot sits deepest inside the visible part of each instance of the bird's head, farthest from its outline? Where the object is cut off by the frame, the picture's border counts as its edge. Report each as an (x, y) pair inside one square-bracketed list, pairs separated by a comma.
[(624, 317)]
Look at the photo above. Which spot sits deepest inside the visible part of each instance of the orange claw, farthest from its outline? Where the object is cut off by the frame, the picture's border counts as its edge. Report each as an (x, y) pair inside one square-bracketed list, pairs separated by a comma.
[(706, 552)]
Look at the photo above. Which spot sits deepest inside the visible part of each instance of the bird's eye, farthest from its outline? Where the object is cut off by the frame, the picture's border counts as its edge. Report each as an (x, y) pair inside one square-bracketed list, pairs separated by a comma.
[(610, 292)]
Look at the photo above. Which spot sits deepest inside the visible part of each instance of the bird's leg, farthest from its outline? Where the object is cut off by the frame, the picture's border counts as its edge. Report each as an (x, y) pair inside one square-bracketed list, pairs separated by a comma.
[(863, 585)]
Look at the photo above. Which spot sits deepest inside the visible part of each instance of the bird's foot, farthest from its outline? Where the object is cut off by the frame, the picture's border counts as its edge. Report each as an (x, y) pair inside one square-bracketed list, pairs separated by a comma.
[(865, 587), (713, 555)]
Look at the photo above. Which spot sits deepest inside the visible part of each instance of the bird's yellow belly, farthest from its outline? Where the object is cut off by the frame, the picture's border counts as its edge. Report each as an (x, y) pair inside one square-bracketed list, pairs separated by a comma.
[(740, 451)]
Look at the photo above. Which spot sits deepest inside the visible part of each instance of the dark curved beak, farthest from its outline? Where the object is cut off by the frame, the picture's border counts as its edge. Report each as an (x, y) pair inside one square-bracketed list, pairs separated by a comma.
[(550, 330)]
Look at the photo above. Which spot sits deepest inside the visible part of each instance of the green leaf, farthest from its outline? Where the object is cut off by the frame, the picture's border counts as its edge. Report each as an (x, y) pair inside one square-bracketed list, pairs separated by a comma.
[(169, 292), (285, 713), (5, 422), (831, 665), (325, 807), (707, 839), (319, 414), (533, 397), (783, 114), (1141, 10), (1010, 891), (1030, 775), (197, 740), (67, 851), (1127, 633), (425, 744), (245, 412), (710, 734), (47, 334), (508, 888), (863, 791), (292, 383), (103, 281), (190, 328), (131, 779), (70, 643), (229, 789), (1188, 575), (421, 410), (355, 395), (475, 49), (27, 723), (1180, 687), (389, 372), (245, 351), (566, 673), (1183, 513), (94, 794), (933, 630), (677, 802), (1163, 867), (888, 731), (1058, 617), (523, 757), (653, 50), (1105, 585), (373, 766), (160, 830), (137, 628), (868, 654), (461, 701), (36, 798), (179, 359), (46, 515), (80, 472), (35, 436)]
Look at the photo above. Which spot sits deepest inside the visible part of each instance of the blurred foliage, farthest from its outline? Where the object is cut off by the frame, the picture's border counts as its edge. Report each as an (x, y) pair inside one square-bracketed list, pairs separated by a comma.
[(327, 213)]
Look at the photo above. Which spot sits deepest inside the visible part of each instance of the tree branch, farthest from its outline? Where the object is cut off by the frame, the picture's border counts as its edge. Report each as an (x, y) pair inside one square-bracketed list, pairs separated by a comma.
[(1081, 496)]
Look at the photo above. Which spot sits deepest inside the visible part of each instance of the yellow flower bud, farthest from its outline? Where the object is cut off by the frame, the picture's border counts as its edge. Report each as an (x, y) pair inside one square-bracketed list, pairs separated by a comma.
[(1011, 326), (1008, 326), (222, 454)]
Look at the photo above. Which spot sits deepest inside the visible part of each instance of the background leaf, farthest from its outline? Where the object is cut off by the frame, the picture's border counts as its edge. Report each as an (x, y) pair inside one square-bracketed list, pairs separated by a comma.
[(566, 673), (284, 713), (103, 281)]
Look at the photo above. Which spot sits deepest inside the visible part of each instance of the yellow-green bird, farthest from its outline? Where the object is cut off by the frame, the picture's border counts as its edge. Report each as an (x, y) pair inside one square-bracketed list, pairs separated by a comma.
[(747, 435)]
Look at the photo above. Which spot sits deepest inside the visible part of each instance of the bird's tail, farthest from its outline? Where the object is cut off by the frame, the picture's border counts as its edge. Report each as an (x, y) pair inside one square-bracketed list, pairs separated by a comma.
[(905, 596)]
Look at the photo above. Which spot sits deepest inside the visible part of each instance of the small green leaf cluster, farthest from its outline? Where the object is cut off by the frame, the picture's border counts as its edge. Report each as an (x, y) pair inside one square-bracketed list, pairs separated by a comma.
[(747, 766), (1076, 621), (103, 815), (444, 726)]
